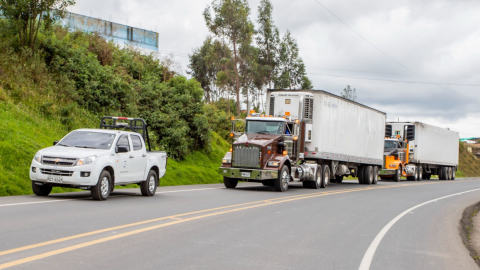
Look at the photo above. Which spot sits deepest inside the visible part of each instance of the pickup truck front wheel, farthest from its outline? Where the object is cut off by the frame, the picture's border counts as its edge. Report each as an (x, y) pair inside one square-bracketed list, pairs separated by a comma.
[(149, 187), (102, 189), (42, 190)]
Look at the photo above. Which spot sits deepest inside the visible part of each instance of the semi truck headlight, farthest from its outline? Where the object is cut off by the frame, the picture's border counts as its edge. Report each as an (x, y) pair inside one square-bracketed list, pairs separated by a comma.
[(38, 157), (226, 160), (86, 161), (273, 163)]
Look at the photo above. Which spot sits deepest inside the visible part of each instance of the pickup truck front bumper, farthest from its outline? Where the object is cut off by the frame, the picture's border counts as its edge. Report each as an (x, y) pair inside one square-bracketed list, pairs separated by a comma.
[(73, 176), (252, 174)]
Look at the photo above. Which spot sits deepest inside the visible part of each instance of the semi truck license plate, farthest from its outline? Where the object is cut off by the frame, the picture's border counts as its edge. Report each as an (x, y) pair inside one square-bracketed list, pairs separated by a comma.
[(245, 174), (55, 179)]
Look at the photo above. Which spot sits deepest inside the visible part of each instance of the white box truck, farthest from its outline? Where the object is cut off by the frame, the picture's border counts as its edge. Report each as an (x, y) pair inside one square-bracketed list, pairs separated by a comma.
[(418, 151), (310, 136)]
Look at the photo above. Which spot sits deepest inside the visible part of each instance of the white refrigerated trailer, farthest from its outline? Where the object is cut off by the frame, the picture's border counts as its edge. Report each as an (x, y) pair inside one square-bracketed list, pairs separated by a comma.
[(418, 151), (317, 137)]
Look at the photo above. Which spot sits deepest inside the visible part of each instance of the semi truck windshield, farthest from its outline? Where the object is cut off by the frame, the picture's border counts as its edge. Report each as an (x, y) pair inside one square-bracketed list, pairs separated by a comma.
[(390, 144), (265, 127)]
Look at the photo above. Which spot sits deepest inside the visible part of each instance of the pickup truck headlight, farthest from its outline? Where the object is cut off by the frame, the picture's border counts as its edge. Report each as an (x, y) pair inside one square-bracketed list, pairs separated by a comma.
[(86, 161), (273, 163), (226, 160), (38, 157)]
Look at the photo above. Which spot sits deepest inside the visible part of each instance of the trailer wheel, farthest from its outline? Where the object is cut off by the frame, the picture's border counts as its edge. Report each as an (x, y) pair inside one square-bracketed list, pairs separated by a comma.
[(339, 179), (449, 173), (42, 190), (326, 176), (398, 174), (368, 175), (375, 175), (230, 182), (453, 173), (281, 183), (360, 174)]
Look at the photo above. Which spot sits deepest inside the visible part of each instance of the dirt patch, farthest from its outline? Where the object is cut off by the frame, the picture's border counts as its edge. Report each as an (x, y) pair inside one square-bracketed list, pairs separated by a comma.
[(470, 231)]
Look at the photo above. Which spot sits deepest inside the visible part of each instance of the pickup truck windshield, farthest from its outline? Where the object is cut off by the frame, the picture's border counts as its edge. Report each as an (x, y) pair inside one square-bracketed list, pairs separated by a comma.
[(264, 127), (87, 139)]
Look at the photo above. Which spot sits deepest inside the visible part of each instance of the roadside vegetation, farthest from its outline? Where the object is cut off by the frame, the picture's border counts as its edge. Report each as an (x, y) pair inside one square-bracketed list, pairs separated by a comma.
[(65, 80), (469, 164)]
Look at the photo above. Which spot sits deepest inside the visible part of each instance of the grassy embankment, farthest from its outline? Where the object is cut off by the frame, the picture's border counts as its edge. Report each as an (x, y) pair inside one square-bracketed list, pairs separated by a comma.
[(469, 165), (23, 132)]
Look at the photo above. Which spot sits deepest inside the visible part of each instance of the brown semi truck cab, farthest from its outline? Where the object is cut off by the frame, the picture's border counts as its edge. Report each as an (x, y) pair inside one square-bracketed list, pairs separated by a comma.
[(267, 145)]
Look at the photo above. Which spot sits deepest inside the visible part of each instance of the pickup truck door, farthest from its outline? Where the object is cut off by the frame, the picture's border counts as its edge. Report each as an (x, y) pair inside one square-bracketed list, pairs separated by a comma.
[(139, 158), (123, 166)]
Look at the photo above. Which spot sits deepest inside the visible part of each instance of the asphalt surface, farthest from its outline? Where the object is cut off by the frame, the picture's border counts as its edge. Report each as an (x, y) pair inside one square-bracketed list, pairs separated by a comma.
[(250, 227)]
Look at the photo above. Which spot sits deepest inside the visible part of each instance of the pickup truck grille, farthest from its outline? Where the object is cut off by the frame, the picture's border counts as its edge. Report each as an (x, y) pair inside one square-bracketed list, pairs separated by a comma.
[(246, 156), (58, 161), (56, 172)]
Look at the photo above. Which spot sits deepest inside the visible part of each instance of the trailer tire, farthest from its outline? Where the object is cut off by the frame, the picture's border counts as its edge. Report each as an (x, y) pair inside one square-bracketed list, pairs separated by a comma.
[(149, 186), (453, 173), (398, 174), (339, 179), (42, 190), (281, 183), (449, 173), (368, 175), (230, 182), (101, 190), (360, 170), (326, 176), (420, 173), (375, 175)]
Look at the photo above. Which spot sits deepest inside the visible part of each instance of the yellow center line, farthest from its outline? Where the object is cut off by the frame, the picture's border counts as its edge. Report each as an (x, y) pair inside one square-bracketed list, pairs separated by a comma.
[(245, 207)]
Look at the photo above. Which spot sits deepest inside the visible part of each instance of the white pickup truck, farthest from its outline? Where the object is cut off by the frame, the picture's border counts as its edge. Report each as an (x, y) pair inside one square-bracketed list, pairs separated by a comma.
[(99, 159)]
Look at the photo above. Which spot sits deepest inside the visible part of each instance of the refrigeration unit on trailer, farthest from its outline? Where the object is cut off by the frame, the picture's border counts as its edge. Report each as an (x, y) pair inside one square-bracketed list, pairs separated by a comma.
[(418, 151), (310, 136)]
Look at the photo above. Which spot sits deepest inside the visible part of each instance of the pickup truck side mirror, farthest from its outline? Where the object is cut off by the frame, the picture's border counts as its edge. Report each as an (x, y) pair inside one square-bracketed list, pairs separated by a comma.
[(55, 143), (122, 149)]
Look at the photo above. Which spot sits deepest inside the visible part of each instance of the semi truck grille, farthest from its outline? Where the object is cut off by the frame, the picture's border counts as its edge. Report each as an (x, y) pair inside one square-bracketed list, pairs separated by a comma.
[(59, 161), (246, 156), (56, 172)]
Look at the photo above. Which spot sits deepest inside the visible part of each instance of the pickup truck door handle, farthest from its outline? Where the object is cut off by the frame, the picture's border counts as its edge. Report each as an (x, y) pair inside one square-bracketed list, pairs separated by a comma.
[(144, 155), (131, 156)]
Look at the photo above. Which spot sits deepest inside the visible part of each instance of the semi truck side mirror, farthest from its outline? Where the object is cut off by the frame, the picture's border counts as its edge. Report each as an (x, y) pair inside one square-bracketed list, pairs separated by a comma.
[(55, 143), (122, 149)]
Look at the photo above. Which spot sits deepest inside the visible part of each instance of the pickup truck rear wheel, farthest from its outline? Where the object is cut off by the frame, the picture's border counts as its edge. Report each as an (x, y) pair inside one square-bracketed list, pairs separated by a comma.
[(281, 183), (149, 187), (230, 182), (42, 190), (101, 190)]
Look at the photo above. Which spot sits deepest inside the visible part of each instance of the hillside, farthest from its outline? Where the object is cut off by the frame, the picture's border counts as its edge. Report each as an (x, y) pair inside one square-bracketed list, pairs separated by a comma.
[(469, 165), (23, 133)]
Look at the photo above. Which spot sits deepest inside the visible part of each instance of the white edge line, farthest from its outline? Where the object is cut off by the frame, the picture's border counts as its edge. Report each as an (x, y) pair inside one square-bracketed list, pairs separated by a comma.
[(368, 257), (13, 204)]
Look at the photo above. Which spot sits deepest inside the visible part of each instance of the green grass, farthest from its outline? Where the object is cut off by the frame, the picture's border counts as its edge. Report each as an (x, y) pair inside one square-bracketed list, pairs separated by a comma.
[(23, 132), (469, 165)]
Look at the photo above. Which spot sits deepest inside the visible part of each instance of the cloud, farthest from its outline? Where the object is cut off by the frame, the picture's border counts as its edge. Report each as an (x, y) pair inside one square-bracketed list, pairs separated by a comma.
[(435, 39)]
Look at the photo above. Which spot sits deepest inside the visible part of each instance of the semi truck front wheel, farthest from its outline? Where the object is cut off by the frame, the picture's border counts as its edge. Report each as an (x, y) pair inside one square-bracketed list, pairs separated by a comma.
[(281, 183)]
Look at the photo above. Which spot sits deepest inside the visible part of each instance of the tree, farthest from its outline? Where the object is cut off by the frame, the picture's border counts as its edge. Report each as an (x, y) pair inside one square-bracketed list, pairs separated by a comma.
[(268, 40), (349, 93), (291, 69), (230, 22), (28, 16)]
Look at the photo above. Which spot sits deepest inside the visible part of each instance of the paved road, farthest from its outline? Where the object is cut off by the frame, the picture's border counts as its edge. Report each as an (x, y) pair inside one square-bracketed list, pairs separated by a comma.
[(346, 226)]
